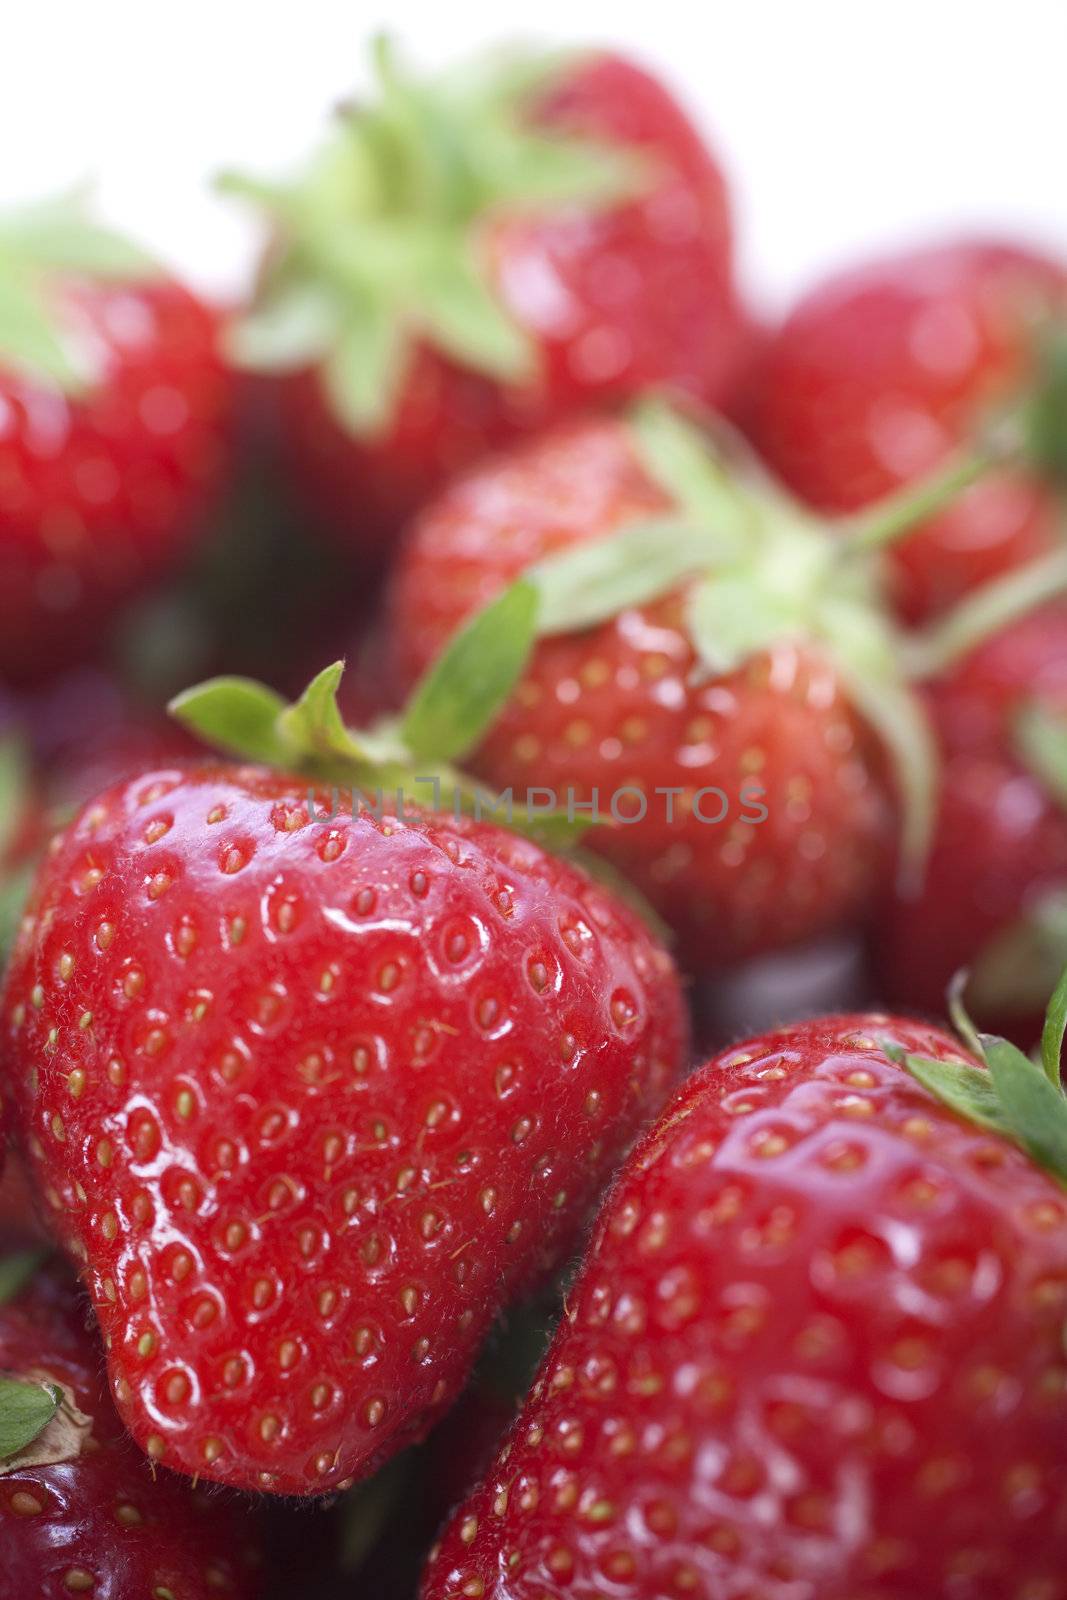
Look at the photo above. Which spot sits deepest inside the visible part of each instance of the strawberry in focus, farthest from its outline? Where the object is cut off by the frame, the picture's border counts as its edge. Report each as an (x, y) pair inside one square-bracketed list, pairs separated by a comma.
[(994, 895), (881, 373), (311, 1097), (575, 248), (815, 1349), (114, 431), (79, 1511)]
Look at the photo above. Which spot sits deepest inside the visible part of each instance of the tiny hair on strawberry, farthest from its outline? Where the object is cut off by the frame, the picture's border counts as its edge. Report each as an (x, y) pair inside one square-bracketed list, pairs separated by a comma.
[(472, 257), (816, 1345), (315, 1082), (115, 405)]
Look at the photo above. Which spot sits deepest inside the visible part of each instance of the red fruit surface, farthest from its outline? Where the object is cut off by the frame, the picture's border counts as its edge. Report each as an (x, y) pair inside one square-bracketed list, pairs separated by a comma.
[(1001, 838), (103, 1523), (881, 372), (101, 493), (616, 300), (616, 706), (312, 1099), (815, 1352)]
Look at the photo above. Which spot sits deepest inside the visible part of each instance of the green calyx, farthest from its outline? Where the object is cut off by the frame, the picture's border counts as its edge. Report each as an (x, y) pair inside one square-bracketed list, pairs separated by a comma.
[(1021, 1099), (26, 1409), (42, 247), (757, 571), (378, 245), (409, 758), (1044, 415)]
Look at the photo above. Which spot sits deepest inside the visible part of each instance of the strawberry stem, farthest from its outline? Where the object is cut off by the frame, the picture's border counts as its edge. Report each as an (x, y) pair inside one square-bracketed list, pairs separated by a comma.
[(901, 513), (987, 611)]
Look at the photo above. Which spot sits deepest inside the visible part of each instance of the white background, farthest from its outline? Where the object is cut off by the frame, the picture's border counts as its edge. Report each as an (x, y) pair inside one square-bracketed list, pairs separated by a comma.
[(846, 124)]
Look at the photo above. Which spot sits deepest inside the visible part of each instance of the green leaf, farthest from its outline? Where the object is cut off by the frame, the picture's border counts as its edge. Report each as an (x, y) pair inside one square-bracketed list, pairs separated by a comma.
[(1053, 1032), (292, 329), (30, 339), (1041, 739), (314, 728), (462, 315), (967, 1090), (1019, 967), (16, 1271), (689, 466), (237, 715), (388, 218), (1035, 1110), (59, 236), (533, 171), (1045, 418), (732, 616), (15, 887), (463, 691), (26, 1409), (959, 1015), (364, 371), (592, 582), (14, 791), (899, 718)]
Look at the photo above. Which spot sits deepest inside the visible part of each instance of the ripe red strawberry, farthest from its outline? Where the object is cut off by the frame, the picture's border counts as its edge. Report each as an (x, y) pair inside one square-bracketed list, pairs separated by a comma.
[(311, 1098), (994, 896), (113, 430), (80, 1513), (815, 1350), (799, 812), (574, 248), (881, 372)]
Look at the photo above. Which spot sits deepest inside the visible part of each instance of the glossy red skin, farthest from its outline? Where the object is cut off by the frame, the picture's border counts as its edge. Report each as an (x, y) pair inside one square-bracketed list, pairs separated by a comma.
[(106, 1515), (814, 1353), (354, 1125), (1001, 839), (102, 493), (617, 300), (881, 372), (614, 706)]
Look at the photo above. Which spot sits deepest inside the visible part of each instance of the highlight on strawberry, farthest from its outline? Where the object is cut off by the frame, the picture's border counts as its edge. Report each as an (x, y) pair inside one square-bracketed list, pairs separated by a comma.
[(816, 1340), (313, 1089)]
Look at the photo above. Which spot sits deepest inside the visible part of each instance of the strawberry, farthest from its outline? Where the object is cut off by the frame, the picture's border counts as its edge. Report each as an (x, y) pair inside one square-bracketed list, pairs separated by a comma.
[(743, 711), (573, 247), (283, 1066), (113, 430), (994, 896), (79, 1512), (881, 372), (816, 1345)]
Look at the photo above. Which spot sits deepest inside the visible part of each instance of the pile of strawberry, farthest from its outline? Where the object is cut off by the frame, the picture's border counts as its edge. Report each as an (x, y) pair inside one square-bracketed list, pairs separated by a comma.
[(366, 1228)]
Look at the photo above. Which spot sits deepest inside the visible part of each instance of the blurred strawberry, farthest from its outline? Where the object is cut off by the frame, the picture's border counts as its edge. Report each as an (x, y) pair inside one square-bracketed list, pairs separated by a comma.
[(475, 256), (882, 372), (114, 406), (710, 671), (994, 897)]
